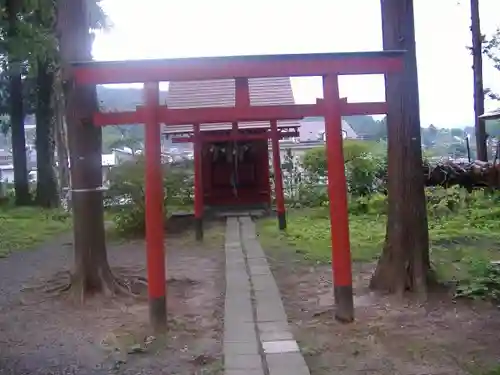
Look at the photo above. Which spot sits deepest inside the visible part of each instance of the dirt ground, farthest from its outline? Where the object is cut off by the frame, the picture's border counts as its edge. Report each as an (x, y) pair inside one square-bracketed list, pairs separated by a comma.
[(389, 336), (46, 335)]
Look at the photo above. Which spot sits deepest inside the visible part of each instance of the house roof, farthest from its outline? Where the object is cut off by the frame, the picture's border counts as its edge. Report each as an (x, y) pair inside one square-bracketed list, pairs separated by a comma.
[(311, 130), (221, 93), (491, 115)]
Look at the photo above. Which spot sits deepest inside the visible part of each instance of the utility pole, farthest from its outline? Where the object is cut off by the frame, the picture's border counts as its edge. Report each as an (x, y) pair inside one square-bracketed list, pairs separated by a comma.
[(477, 68)]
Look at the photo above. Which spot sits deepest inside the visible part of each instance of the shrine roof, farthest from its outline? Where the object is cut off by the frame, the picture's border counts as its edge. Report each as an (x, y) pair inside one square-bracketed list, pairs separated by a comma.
[(221, 93)]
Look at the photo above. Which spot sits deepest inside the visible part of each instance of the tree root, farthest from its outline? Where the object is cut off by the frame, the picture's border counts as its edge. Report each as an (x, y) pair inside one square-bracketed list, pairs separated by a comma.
[(111, 285)]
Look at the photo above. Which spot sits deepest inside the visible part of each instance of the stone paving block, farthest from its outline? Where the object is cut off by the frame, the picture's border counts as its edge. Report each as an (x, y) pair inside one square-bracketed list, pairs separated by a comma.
[(256, 254), (259, 270), (237, 281), (258, 262), (232, 348), (247, 233), (269, 295), (265, 291), (236, 306), (233, 280), (236, 263), (243, 361), (232, 242), (273, 331), (234, 256), (262, 283), (286, 364), (243, 372), (244, 317), (270, 313), (234, 250), (250, 340), (236, 271), (241, 335), (238, 298), (280, 346), (239, 293), (236, 325), (238, 286), (233, 311)]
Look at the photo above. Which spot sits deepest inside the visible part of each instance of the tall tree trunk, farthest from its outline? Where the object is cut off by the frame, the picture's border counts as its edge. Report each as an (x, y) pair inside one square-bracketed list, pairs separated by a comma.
[(477, 68), (92, 273), (21, 182), (404, 264), (46, 189)]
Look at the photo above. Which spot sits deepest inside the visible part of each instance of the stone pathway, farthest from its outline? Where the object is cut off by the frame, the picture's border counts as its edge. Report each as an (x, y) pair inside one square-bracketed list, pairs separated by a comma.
[(257, 337)]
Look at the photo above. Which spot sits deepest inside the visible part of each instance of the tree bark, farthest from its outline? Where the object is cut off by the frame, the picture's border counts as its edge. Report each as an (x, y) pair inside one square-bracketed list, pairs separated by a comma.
[(60, 135), (21, 181), (46, 189), (92, 273), (404, 264), (477, 68)]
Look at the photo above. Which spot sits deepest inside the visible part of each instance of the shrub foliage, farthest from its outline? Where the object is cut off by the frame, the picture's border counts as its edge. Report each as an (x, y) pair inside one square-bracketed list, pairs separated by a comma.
[(126, 193)]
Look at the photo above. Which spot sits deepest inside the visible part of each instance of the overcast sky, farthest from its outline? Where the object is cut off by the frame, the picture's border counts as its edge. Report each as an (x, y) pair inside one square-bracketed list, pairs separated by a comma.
[(192, 28)]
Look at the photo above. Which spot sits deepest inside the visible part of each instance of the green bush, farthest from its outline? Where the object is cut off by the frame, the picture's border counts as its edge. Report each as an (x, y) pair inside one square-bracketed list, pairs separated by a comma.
[(374, 204), (126, 193), (483, 282), (314, 160), (365, 166), (364, 173)]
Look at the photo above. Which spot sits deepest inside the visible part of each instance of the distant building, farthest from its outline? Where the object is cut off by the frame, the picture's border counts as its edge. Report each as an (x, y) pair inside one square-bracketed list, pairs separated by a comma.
[(5, 157), (491, 115), (314, 130)]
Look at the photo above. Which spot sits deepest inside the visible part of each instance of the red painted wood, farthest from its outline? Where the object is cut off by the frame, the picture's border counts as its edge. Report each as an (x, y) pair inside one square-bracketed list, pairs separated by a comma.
[(198, 167), (237, 137), (337, 187), (193, 69), (278, 177), (154, 195), (189, 116), (206, 172), (252, 188), (242, 94)]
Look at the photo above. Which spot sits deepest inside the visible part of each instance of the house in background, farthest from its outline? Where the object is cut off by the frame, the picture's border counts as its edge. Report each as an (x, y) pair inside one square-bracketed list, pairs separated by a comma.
[(313, 129), (5, 157), (312, 135)]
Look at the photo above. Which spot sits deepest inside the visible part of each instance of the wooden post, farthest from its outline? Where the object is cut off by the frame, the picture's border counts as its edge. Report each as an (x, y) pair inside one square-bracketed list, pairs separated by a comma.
[(154, 212), (278, 177), (337, 192), (198, 187)]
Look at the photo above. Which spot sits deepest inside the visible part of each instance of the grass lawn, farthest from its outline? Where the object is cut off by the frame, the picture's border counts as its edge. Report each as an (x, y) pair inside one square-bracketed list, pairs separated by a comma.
[(458, 239), (25, 227)]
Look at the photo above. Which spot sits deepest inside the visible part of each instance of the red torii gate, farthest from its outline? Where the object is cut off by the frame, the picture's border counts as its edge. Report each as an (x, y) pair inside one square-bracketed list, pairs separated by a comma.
[(241, 68)]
